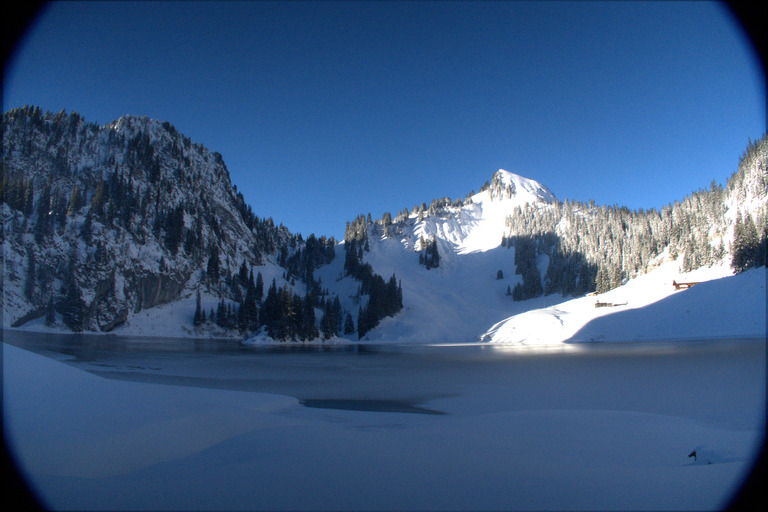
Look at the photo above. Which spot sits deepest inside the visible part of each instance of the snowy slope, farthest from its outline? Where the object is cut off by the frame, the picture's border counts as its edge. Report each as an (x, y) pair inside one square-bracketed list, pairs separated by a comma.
[(480, 225), (463, 301), (722, 305), (458, 300)]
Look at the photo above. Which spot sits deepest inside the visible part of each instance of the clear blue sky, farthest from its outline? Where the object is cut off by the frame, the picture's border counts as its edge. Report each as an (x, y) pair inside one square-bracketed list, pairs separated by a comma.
[(325, 110)]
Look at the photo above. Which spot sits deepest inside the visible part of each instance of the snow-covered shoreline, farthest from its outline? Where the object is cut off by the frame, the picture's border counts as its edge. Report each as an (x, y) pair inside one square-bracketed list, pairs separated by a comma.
[(720, 306), (654, 311)]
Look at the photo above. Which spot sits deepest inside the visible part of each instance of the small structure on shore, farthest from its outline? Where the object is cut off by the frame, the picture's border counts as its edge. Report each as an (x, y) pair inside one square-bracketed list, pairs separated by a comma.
[(679, 286), (599, 304)]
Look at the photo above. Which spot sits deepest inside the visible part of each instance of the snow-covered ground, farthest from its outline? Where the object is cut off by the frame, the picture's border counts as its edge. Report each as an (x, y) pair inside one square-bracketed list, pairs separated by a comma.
[(462, 302), (721, 305), (558, 431)]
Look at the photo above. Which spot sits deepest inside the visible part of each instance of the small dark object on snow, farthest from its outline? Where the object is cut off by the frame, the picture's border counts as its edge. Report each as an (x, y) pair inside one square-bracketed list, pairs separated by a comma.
[(678, 286), (692, 454)]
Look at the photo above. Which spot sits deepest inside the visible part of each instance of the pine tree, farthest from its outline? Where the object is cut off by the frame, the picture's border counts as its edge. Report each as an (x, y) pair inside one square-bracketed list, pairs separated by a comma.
[(327, 323), (362, 324), (349, 325), (259, 287), (243, 274), (250, 308), (309, 327), (221, 314), (28, 201), (75, 201), (72, 306), (198, 318), (50, 313), (741, 257), (270, 311), (431, 257), (212, 270), (747, 246)]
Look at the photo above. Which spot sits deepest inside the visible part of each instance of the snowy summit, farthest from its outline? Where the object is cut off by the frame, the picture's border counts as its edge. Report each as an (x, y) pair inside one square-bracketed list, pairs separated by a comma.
[(520, 190)]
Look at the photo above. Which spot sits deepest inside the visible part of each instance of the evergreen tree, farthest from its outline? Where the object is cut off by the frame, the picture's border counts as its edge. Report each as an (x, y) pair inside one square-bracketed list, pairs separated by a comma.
[(50, 313), (75, 201), (243, 274), (349, 325), (526, 265), (250, 308), (351, 259), (259, 287), (746, 250), (362, 326), (198, 317), (327, 324), (761, 257), (221, 314), (429, 256), (270, 311), (212, 270), (72, 305), (309, 327)]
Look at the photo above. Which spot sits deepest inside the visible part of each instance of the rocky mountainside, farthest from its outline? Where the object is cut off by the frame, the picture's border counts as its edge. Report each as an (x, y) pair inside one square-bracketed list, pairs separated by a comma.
[(100, 222)]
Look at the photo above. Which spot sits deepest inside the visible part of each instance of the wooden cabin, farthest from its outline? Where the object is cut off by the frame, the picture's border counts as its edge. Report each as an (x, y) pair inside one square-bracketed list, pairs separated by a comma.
[(599, 304), (679, 286)]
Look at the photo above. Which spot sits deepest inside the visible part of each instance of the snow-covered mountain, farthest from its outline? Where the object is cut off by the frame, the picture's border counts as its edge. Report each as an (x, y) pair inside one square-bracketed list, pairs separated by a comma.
[(447, 302), (132, 228), (103, 222), (479, 225), (470, 266)]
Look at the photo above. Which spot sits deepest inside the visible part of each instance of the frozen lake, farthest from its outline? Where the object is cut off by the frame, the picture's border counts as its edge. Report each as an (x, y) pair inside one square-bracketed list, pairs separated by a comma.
[(104, 422)]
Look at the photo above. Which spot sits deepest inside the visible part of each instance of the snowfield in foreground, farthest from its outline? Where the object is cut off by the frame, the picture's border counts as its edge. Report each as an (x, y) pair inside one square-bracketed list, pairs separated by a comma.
[(604, 431)]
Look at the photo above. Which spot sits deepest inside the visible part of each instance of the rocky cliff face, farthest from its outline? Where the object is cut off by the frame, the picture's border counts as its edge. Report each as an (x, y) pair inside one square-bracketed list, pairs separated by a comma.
[(100, 222)]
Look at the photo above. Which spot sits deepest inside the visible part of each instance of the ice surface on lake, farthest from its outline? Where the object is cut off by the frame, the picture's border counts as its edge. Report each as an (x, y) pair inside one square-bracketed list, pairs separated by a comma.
[(603, 429)]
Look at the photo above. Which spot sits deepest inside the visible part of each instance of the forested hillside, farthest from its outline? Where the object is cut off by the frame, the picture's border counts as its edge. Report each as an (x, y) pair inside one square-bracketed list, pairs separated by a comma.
[(100, 223), (573, 248), (103, 222)]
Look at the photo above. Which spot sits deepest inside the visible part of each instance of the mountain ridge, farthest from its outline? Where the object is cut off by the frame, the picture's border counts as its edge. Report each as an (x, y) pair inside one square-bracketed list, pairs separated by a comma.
[(145, 217)]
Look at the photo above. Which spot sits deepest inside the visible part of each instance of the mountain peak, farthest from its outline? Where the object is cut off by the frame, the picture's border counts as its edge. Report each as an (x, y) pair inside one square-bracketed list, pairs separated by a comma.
[(506, 185)]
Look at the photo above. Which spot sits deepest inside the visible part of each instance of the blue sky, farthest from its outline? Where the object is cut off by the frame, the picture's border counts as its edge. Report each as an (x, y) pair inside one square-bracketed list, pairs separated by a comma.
[(325, 110)]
